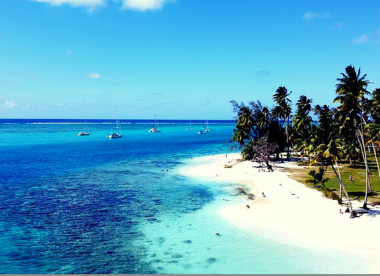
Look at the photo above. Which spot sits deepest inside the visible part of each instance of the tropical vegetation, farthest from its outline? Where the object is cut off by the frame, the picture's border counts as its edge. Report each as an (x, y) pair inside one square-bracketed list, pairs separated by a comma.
[(348, 133)]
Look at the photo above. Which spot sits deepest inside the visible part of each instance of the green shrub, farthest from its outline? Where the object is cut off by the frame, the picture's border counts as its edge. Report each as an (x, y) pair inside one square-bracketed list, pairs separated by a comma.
[(331, 194)]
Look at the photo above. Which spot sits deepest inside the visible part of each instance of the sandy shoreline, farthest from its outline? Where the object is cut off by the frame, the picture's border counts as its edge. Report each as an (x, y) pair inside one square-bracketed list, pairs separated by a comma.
[(291, 212)]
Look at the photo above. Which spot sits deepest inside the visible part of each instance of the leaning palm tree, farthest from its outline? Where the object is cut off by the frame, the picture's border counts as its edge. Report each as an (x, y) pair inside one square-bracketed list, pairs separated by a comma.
[(331, 153), (283, 109)]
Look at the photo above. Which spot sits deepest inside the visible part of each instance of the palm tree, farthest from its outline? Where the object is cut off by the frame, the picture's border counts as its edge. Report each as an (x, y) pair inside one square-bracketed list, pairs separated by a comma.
[(283, 109), (351, 90), (302, 121), (245, 123), (302, 124), (331, 153), (318, 177), (373, 130), (239, 136), (245, 119), (375, 103)]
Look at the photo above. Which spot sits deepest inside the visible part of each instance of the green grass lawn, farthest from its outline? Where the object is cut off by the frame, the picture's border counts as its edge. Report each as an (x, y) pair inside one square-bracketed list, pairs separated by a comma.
[(355, 188)]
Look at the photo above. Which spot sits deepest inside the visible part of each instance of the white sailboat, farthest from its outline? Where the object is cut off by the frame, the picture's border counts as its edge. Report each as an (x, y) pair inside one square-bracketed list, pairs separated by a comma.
[(207, 127), (86, 131), (155, 129), (189, 128), (118, 133)]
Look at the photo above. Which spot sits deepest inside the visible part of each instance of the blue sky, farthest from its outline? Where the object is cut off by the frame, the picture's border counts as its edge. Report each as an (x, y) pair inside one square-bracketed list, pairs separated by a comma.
[(182, 59)]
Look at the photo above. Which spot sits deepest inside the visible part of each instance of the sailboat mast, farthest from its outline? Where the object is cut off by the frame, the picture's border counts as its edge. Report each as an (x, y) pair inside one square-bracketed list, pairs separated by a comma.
[(118, 124), (86, 126), (155, 122)]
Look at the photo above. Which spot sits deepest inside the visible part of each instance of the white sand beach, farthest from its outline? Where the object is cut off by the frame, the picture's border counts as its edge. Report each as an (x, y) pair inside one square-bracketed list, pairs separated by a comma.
[(291, 212)]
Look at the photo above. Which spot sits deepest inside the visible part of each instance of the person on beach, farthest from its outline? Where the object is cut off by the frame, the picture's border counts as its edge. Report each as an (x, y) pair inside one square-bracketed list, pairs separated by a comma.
[(340, 211), (248, 206), (216, 175), (351, 178)]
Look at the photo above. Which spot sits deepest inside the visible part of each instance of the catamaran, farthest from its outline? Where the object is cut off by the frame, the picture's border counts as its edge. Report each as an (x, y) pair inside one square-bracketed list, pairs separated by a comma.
[(189, 128), (86, 132), (118, 133), (155, 129)]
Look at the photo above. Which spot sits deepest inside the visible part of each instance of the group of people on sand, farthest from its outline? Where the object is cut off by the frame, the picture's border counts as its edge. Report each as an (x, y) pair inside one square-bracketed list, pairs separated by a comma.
[(269, 170)]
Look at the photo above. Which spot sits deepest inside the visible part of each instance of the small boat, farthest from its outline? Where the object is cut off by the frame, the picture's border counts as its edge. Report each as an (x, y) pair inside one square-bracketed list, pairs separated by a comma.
[(155, 129), (86, 132), (189, 128), (200, 132), (118, 133), (207, 127)]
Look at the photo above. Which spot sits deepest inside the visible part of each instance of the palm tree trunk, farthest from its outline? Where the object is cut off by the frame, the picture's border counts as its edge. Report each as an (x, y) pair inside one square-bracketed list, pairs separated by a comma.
[(340, 177), (340, 186), (368, 182), (364, 154), (344, 189), (377, 161), (287, 138)]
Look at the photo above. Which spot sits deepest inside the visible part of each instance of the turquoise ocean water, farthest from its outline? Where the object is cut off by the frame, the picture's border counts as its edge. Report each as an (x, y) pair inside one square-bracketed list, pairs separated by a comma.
[(72, 204)]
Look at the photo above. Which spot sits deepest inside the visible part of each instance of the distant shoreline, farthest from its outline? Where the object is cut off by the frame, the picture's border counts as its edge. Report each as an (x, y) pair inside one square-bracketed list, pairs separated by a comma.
[(290, 212), (112, 121)]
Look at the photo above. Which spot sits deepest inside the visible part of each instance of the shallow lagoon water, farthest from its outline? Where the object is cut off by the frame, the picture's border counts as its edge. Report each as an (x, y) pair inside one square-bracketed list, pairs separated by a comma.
[(72, 204)]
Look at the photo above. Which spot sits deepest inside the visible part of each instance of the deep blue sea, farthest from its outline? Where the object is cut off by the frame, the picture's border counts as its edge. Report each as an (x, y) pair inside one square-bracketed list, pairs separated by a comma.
[(71, 204)]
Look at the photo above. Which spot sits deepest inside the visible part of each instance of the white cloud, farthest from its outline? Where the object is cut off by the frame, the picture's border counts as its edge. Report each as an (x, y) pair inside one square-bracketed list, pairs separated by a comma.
[(143, 5), (8, 82), (337, 26), (93, 76), (91, 5), (361, 39), (9, 104), (310, 16), (262, 73), (70, 52)]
